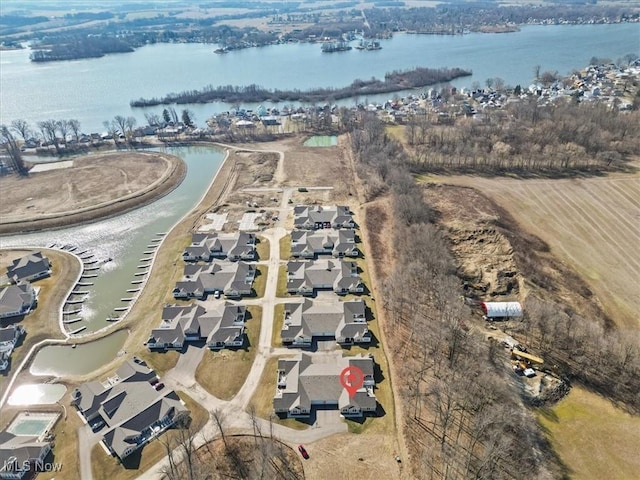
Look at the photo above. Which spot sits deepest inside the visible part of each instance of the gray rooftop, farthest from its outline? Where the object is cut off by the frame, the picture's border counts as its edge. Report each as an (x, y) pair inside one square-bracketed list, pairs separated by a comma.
[(29, 266)]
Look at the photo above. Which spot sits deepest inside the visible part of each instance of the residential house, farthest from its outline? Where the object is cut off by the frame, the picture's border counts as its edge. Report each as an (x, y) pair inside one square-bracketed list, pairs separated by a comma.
[(309, 243), (233, 279), (305, 277), (21, 455), (306, 381), (29, 268), (221, 326), (17, 300), (133, 412), (232, 246), (9, 337), (307, 217), (345, 321)]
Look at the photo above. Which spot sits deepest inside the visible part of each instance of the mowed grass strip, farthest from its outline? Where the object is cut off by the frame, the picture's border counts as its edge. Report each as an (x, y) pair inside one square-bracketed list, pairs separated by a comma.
[(278, 321), (262, 399), (593, 437), (285, 247), (106, 467), (260, 283), (281, 288), (262, 248), (223, 373)]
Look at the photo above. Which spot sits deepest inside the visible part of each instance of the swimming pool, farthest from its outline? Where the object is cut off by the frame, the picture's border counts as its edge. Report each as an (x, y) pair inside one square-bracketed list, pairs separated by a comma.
[(33, 424)]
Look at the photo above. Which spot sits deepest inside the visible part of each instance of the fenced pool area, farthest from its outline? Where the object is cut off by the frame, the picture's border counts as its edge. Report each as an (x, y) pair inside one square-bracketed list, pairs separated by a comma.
[(33, 424)]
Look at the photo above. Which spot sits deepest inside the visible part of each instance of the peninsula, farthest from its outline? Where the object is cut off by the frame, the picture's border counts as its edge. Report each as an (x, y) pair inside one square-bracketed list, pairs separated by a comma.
[(393, 82)]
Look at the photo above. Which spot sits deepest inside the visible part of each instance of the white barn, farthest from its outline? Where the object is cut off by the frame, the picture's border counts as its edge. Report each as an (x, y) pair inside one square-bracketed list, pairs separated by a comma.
[(501, 309)]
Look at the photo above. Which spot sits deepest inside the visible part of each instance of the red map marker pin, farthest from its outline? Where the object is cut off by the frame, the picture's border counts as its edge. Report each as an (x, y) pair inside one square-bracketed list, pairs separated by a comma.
[(352, 380)]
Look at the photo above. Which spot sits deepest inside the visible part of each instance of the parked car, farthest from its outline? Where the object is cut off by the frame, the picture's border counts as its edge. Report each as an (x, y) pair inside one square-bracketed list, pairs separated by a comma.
[(216, 294), (96, 425), (303, 452), (159, 386), (154, 380)]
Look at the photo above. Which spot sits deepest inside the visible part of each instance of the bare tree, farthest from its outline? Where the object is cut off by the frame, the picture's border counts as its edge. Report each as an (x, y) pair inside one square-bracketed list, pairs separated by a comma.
[(12, 148), (74, 126), (49, 129), (21, 127)]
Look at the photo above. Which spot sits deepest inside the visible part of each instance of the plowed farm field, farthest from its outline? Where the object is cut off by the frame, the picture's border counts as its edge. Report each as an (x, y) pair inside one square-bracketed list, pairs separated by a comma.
[(591, 223)]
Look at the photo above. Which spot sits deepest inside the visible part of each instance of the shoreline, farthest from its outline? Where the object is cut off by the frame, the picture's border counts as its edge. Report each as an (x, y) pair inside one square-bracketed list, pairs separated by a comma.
[(96, 213)]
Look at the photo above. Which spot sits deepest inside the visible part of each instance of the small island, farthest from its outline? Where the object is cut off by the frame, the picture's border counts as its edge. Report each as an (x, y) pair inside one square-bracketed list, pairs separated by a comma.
[(393, 82)]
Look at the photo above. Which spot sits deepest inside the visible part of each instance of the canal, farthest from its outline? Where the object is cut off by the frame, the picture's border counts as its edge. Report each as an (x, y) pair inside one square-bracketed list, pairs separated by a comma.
[(124, 239)]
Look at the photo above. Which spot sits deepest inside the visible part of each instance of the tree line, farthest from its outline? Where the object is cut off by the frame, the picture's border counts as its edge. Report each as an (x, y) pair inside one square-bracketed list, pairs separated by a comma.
[(393, 82), (527, 137)]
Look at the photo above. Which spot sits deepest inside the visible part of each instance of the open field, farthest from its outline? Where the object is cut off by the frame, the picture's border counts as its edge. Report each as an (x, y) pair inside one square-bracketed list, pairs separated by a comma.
[(593, 438), (593, 224), (95, 187)]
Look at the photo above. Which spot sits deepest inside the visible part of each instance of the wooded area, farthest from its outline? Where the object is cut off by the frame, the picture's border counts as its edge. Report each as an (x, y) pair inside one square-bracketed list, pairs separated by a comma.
[(463, 410)]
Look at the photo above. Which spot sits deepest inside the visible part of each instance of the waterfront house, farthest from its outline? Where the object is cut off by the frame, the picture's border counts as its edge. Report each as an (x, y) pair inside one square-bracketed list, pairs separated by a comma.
[(29, 268), (21, 455), (9, 337), (233, 279), (17, 300), (131, 409), (344, 321), (221, 326), (304, 382), (232, 246), (307, 217), (310, 243), (305, 277)]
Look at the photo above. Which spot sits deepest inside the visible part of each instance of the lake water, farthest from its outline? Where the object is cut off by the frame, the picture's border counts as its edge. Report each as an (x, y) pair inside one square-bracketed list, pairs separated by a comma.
[(95, 90)]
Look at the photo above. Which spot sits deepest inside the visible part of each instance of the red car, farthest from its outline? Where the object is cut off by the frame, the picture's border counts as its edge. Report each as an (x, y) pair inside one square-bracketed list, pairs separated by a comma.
[(303, 452)]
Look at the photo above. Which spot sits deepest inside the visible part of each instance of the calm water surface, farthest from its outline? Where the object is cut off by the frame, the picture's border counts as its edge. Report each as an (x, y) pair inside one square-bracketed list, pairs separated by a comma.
[(95, 90)]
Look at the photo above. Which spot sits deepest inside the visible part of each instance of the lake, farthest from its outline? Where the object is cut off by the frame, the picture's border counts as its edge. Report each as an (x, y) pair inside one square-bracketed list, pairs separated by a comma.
[(95, 90)]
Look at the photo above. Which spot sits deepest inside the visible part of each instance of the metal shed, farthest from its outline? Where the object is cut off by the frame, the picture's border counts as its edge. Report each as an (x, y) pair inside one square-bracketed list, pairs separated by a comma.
[(501, 309)]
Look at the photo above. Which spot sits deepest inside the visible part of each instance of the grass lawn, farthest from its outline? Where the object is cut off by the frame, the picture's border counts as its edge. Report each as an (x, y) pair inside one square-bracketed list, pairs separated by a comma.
[(107, 467), (278, 320), (260, 283), (161, 362), (263, 397), (223, 373), (262, 248), (281, 288), (593, 438), (285, 247)]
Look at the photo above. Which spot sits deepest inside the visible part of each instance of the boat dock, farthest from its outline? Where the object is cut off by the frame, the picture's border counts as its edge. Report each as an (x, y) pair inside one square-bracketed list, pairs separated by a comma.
[(139, 274), (92, 269), (80, 292), (91, 275), (78, 330), (137, 282), (127, 299), (133, 290), (84, 284), (72, 320), (120, 309), (74, 302), (149, 252)]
